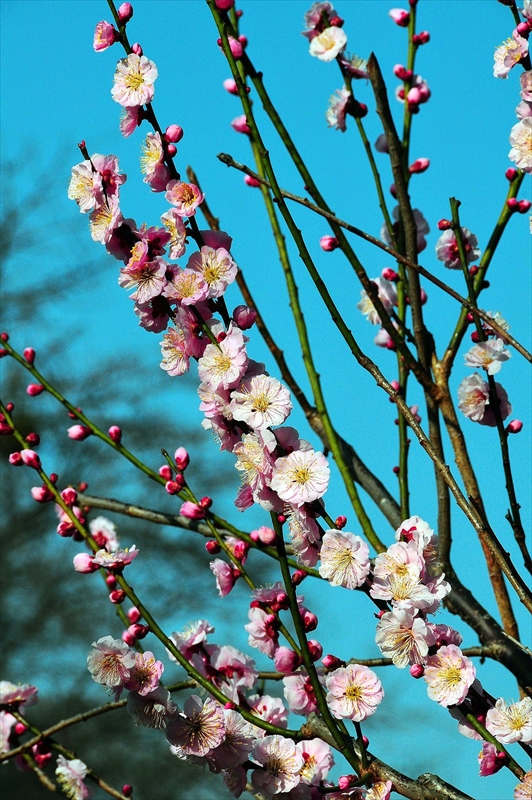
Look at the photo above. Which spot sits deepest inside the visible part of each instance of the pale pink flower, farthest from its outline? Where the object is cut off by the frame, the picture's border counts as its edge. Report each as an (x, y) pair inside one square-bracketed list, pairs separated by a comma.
[(153, 710), (110, 662), (234, 670), (173, 349), (525, 79), (103, 531), (511, 722), (447, 248), (199, 729), (145, 674), (133, 81), (489, 355), (402, 587), (281, 762), (355, 66), (337, 111), (104, 36), (235, 780), (173, 222), (344, 559), (403, 637), (304, 535), (153, 315), (523, 790), (399, 559), (380, 790), (107, 167), (328, 44), (70, 774), (508, 54), (422, 228), (116, 560), (313, 17), (85, 187), (523, 110), (224, 574), (521, 141), (263, 630), (448, 676), (7, 721), (318, 760), (489, 760), (387, 293), (353, 692), (191, 639), (152, 164), (419, 535), (130, 120), (238, 743), (224, 364), (261, 402), (299, 693), (269, 709), (301, 477), (19, 695), (187, 287), (216, 267), (473, 395), (148, 279), (527, 10), (444, 634), (186, 197), (104, 219)]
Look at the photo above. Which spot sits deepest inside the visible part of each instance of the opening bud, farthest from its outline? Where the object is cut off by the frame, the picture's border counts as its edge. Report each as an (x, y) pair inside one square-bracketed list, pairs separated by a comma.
[(84, 563), (512, 203), (400, 16), (230, 86), (390, 274), (240, 125), (133, 614), (118, 596), (237, 48), (138, 631), (316, 650), (344, 782), (401, 72), (298, 576), (174, 133), (523, 206), (69, 495), (419, 165), (165, 472), (182, 459), (29, 355), (336, 22), (41, 494), (129, 639), (34, 389), (15, 459), (331, 662), (137, 49), (266, 535), (205, 502), (421, 38), (172, 487), (212, 547), (31, 459), (79, 432), (125, 12)]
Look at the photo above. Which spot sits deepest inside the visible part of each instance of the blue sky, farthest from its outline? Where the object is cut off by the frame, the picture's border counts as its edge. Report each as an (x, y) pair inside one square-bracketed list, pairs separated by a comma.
[(56, 91)]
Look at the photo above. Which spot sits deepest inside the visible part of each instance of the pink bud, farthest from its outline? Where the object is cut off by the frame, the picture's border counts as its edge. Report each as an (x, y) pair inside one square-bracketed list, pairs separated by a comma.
[(3, 352), (523, 206), (281, 519), (329, 243), (336, 22), (249, 180), (128, 638), (515, 426), (419, 165), (41, 494), (331, 662), (395, 385), (173, 133), (117, 596), (34, 389), (84, 563), (359, 110), (33, 439), (423, 296), (69, 495), (79, 432), (298, 576), (73, 415), (243, 40), (237, 48), (512, 203), (282, 601), (138, 631), (473, 270), (111, 581), (523, 29), (19, 728), (165, 472), (344, 781), (240, 125), (316, 650), (240, 550), (400, 16), (182, 459), (511, 174), (15, 459), (254, 536), (134, 614), (389, 274), (137, 49), (245, 317), (267, 535), (310, 620), (445, 224), (340, 522), (205, 502), (396, 470), (230, 86), (115, 433), (4, 337), (29, 355), (401, 72), (417, 670), (191, 510), (217, 239), (365, 741), (286, 660), (31, 458), (212, 547), (172, 487), (393, 190), (421, 38), (475, 337), (171, 150), (127, 790), (224, 5), (125, 12)]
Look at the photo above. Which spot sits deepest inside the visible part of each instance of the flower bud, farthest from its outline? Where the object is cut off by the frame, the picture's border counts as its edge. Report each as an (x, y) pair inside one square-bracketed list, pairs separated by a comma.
[(393, 190), (31, 458), (128, 638), (421, 38), (29, 355), (115, 433), (125, 12), (172, 487), (138, 631), (266, 535), (182, 459), (230, 86), (79, 432), (286, 660), (3, 352), (249, 180), (473, 270), (400, 16), (523, 29), (237, 48), (171, 150), (84, 563), (475, 337), (192, 511), (165, 472), (69, 495), (104, 36), (523, 206), (445, 224), (127, 790), (515, 426), (212, 547), (224, 5), (245, 317), (137, 49), (4, 337), (511, 174), (240, 125), (34, 389), (133, 614), (73, 415), (298, 576), (41, 494), (240, 550), (15, 459), (512, 203), (173, 133), (331, 662), (310, 620), (281, 519), (205, 502), (117, 596), (340, 522), (19, 728), (316, 650), (216, 239), (111, 581), (401, 72), (389, 274), (419, 165), (329, 243), (344, 782), (417, 670)]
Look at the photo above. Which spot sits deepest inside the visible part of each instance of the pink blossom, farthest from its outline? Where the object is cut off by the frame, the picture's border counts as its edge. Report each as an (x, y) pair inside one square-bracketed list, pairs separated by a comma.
[(508, 54), (299, 693), (263, 631), (286, 660), (148, 279), (107, 167), (448, 676), (199, 729), (355, 66), (233, 670), (489, 355), (328, 44), (84, 563), (187, 287), (313, 17), (305, 536), (489, 760), (473, 395), (153, 710), (353, 692), (110, 662), (70, 775), (216, 267), (447, 248), (281, 762), (525, 79), (387, 293), (238, 743), (173, 348), (521, 141), (230, 86), (422, 228), (301, 477), (130, 119), (186, 197), (105, 219), (400, 16), (240, 124), (175, 226), (216, 239), (133, 81), (85, 187), (269, 709), (523, 790), (18, 695), (145, 674), (224, 364), (152, 164), (192, 638), (419, 534), (511, 722), (261, 402), (192, 510), (224, 574), (380, 790), (403, 637), (7, 722), (116, 560), (235, 780), (103, 531), (344, 559), (337, 111), (104, 36), (318, 760)]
